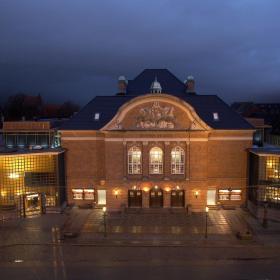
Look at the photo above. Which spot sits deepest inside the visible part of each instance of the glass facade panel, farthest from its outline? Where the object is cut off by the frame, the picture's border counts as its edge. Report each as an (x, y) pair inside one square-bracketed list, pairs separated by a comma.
[(28, 173)]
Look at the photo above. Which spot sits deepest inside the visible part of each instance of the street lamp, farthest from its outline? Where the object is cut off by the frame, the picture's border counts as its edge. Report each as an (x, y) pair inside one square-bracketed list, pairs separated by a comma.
[(264, 223), (206, 222), (104, 209)]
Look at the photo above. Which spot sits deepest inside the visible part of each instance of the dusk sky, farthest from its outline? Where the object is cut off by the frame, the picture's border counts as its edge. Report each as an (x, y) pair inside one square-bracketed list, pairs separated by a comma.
[(74, 50)]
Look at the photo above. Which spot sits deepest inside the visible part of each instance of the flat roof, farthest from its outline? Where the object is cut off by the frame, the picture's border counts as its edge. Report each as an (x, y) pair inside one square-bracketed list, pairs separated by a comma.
[(268, 150), (17, 152)]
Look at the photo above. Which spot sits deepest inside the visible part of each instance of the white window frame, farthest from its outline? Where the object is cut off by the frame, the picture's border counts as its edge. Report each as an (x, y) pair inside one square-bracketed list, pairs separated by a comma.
[(156, 161), (177, 161), (134, 160)]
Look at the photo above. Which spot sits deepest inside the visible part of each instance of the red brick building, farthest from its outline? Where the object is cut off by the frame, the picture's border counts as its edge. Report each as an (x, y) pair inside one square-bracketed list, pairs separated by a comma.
[(156, 143)]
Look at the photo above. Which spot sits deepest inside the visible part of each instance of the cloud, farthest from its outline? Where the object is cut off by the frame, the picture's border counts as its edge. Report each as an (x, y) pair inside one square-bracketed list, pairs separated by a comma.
[(77, 49)]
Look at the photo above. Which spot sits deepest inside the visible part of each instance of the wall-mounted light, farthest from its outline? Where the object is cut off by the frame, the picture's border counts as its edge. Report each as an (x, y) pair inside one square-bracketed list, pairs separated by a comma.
[(156, 187), (116, 193), (196, 194), (177, 188), (167, 189), (146, 189), (134, 187)]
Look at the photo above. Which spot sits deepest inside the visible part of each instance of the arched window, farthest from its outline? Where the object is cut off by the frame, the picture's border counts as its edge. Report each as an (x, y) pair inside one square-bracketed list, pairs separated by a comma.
[(156, 161), (177, 160), (134, 160)]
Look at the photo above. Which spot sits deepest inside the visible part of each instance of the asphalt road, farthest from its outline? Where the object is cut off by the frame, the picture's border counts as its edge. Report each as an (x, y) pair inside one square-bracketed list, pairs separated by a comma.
[(68, 261)]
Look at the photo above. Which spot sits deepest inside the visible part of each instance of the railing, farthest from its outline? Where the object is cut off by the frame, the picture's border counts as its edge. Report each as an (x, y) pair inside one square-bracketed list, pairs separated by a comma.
[(273, 139)]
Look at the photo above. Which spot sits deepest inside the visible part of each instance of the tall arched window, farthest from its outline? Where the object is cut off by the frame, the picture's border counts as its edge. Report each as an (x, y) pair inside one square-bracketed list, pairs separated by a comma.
[(156, 161), (134, 160), (177, 160)]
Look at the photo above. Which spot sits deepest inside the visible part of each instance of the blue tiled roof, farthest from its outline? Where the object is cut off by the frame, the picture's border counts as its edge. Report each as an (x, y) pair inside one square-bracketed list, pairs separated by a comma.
[(107, 107), (142, 83), (204, 105)]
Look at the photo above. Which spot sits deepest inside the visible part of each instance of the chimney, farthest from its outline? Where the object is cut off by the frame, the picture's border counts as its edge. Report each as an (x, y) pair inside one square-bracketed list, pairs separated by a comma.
[(190, 84), (122, 84)]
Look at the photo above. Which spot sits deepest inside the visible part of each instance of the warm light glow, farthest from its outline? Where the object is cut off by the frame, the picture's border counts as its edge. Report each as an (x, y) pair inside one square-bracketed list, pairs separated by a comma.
[(146, 189), (104, 209), (134, 187), (116, 193), (206, 209), (13, 176), (156, 187), (177, 188), (3, 193), (167, 189)]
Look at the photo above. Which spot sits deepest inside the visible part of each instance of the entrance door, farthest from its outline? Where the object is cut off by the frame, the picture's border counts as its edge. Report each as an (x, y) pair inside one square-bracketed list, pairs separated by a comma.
[(156, 198), (177, 198), (32, 204), (134, 198), (101, 196), (211, 197)]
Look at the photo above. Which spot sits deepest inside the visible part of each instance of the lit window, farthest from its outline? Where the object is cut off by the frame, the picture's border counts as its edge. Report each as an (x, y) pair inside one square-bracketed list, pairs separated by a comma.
[(156, 161), (177, 161), (77, 194), (88, 194), (229, 194), (96, 116), (235, 195), (215, 116), (272, 169), (134, 161)]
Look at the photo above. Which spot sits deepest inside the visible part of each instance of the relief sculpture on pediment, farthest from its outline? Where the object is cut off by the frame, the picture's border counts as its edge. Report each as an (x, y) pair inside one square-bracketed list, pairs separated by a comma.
[(156, 116)]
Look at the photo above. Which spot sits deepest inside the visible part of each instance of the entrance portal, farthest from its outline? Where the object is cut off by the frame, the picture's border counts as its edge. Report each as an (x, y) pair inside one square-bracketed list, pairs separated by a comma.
[(156, 198), (134, 198), (32, 204), (177, 198), (211, 197)]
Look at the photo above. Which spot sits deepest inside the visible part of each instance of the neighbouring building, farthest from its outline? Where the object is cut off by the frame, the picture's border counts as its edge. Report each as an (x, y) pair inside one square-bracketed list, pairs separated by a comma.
[(264, 181), (156, 143), (31, 167)]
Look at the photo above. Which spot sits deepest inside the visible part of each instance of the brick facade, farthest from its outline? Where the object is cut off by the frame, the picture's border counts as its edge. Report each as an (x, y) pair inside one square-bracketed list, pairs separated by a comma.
[(214, 159)]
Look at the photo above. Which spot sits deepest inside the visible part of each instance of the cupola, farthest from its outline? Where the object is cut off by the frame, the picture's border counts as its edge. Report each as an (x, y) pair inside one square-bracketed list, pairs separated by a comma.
[(155, 87)]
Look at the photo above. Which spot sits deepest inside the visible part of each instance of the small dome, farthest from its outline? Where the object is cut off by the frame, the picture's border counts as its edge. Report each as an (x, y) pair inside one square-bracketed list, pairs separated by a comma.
[(156, 87), (190, 78)]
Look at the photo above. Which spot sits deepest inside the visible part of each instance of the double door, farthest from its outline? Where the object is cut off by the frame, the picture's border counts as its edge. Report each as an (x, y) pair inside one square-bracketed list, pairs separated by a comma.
[(177, 198), (156, 198), (135, 198)]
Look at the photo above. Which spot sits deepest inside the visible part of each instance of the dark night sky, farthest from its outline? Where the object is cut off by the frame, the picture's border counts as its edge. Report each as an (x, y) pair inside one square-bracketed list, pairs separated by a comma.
[(76, 49)]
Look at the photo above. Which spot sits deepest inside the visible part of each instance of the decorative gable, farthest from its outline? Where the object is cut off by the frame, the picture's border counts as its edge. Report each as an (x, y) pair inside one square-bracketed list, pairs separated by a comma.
[(156, 112)]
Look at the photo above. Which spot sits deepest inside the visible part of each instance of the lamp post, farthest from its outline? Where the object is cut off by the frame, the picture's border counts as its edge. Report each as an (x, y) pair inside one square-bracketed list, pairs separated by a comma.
[(206, 222), (104, 209), (264, 223)]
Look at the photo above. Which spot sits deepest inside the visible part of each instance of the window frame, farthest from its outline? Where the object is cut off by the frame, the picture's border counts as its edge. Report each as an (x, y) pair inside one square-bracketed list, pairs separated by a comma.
[(156, 164), (134, 165), (178, 167)]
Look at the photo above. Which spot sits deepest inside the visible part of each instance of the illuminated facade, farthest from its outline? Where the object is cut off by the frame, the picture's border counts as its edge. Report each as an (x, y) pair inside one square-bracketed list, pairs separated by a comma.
[(156, 144), (264, 181), (31, 169)]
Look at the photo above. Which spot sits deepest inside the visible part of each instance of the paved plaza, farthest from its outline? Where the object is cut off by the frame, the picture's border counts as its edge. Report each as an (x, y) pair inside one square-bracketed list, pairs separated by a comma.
[(150, 245)]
